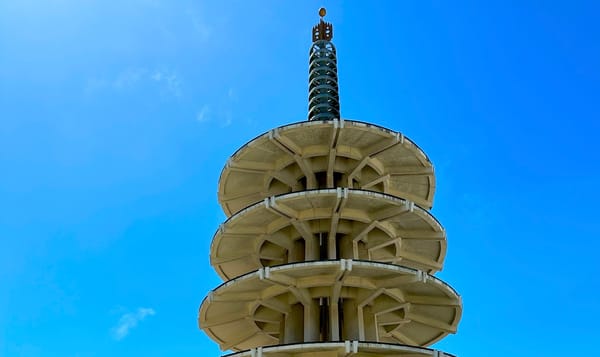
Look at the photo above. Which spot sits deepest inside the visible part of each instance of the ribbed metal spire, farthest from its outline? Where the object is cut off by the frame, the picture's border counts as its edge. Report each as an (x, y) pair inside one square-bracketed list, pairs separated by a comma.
[(323, 93)]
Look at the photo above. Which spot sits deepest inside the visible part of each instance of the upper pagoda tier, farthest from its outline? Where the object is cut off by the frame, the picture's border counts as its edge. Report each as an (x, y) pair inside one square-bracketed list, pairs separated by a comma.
[(326, 154)]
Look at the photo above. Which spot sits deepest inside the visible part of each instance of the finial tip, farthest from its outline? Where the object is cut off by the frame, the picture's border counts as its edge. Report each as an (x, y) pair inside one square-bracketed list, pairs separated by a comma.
[(323, 30)]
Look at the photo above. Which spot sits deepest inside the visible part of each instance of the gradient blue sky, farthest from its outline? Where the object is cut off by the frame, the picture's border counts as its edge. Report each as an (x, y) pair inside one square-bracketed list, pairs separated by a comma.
[(117, 117)]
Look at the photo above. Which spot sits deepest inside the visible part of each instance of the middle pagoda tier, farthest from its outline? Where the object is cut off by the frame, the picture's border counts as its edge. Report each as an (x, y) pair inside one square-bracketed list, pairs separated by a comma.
[(324, 224), (327, 240)]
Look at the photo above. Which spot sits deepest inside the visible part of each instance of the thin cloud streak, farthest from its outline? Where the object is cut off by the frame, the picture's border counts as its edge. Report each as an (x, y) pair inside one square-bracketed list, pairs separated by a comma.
[(170, 80), (201, 28), (222, 114), (132, 78), (129, 78), (202, 115), (130, 320)]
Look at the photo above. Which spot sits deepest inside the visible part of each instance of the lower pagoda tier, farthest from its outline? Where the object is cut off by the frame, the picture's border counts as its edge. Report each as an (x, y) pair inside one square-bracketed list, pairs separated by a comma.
[(333, 300), (328, 224), (340, 349)]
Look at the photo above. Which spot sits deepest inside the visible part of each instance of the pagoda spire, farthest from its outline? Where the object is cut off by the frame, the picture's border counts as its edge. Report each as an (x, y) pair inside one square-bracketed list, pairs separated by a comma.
[(323, 92)]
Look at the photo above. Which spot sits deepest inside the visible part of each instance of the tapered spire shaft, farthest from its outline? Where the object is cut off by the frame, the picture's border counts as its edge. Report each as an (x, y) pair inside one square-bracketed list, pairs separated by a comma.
[(323, 92)]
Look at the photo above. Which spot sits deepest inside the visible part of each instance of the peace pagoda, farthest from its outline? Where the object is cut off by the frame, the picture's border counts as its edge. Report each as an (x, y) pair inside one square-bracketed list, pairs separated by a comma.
[(329, 248)]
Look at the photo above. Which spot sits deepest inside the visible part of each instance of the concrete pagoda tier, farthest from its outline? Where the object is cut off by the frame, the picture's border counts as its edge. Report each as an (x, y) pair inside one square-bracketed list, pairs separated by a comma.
[(363, 300), (328, 224), (326, 154), (329, 246)]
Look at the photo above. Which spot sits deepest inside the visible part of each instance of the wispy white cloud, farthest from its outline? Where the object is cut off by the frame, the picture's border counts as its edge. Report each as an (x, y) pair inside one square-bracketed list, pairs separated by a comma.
[(157, 76), (227, 119), (201, 28), (202, 114), (168, 81), (231, 94), (220, 114), (129, 321), (129, 78)]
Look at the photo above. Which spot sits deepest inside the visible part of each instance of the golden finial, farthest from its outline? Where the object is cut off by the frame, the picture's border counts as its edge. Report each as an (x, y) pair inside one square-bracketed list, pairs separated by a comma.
[(323, 30)]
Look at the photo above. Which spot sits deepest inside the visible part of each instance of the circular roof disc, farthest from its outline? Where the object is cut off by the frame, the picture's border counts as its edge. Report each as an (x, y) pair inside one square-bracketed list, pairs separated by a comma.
[(326, 154), (352, 224), (397, 304)]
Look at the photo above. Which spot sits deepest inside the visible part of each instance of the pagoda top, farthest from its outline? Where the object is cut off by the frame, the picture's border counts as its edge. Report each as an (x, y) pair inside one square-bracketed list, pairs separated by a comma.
[(323, 30)]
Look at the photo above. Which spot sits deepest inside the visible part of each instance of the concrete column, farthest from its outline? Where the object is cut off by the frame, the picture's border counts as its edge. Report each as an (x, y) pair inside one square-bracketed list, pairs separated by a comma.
[(334, 321), (331, 247), (346, 249), (311, 321), (312, 248), (369, 323), (282, 330), (294, 321), (296, 253), (350, 323), (362, 251)]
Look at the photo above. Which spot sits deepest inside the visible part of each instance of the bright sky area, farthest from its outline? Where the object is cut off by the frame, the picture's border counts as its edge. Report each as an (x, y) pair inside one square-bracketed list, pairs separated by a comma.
[(116, 119)]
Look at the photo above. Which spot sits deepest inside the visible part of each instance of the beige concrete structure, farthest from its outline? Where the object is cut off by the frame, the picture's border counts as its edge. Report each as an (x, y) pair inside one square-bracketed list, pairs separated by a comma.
[(326, 154), (347, 223), (329, 246)]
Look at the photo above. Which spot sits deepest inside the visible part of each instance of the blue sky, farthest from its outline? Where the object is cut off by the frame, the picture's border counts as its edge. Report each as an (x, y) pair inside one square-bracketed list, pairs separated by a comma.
[(117, 117)]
